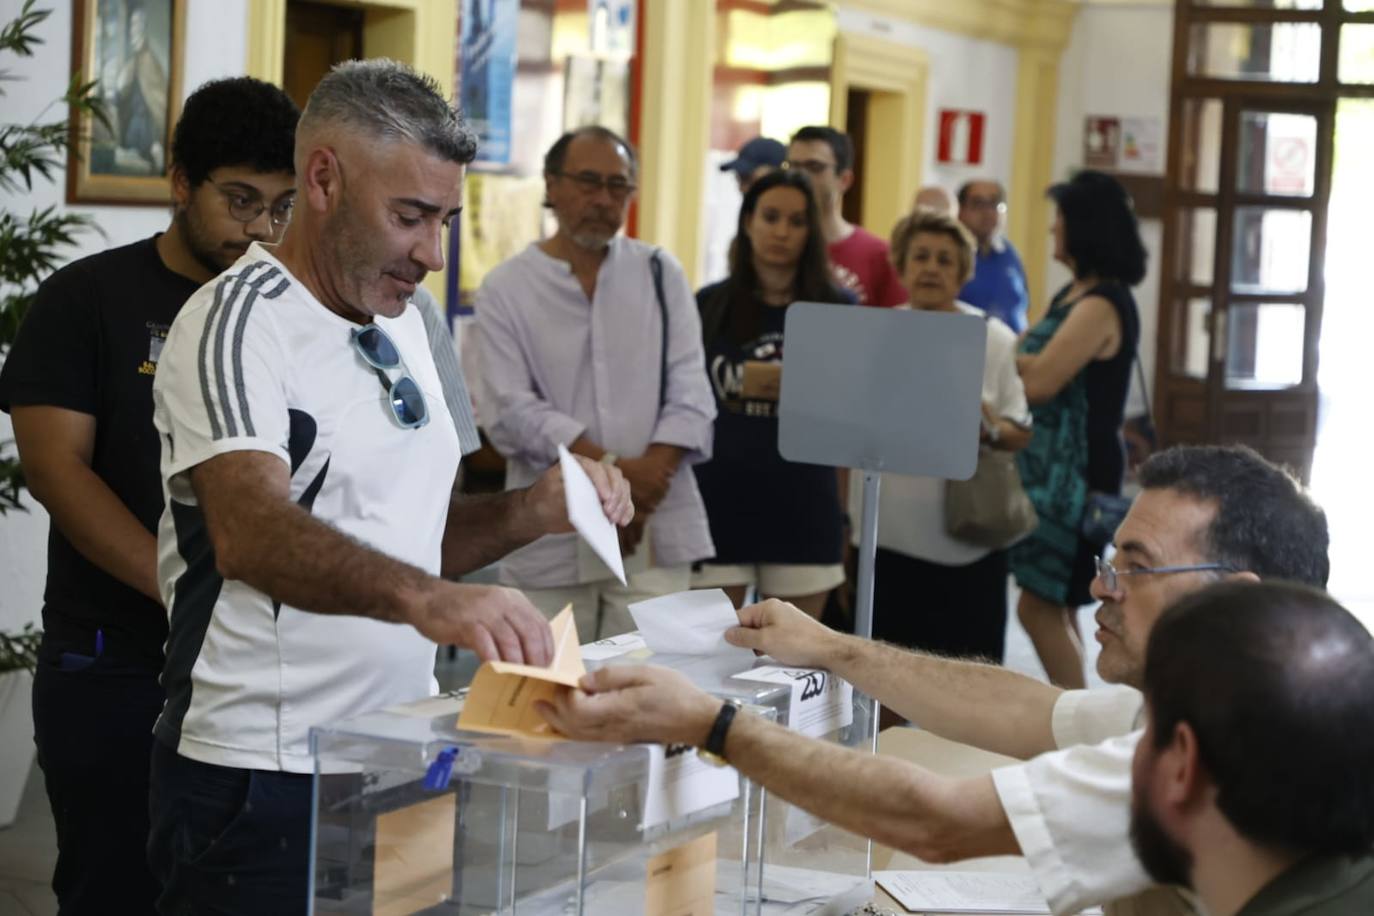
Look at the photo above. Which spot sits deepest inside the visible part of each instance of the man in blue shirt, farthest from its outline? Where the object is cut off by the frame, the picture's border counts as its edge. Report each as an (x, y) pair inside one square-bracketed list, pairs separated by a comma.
[(998, 286)]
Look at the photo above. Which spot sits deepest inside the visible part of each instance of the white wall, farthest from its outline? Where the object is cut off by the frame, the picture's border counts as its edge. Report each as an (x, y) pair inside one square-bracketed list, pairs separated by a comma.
[(965, 73), (1117, 63), (216, 46)]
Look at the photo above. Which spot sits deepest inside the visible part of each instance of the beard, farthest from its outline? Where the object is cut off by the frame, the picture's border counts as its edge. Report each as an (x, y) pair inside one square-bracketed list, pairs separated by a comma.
[(1164, 858), (214, 257), (361, 270)]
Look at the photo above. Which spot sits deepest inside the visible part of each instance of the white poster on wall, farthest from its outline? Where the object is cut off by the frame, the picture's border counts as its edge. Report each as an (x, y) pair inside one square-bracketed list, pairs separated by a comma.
[(1141, 147)]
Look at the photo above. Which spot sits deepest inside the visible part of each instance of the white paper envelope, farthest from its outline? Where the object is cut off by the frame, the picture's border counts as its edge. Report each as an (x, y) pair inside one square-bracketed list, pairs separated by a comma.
[(586, 515), (689, 623)]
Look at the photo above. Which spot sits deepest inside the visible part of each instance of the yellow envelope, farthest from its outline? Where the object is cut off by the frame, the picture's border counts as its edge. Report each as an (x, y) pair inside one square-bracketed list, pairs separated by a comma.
[(502, 696), (413, 859), (682, 881)]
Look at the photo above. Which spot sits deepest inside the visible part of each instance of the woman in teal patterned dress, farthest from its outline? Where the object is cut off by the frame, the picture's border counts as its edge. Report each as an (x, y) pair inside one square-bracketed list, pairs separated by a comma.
[(1076, 367)]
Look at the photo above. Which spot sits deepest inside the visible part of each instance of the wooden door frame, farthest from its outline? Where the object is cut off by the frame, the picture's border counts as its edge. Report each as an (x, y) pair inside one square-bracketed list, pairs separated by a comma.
[(1193, 410)]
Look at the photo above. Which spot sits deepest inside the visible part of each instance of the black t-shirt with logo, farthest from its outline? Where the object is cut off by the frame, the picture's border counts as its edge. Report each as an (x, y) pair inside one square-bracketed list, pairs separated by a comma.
[(761, 507), (90, 343)]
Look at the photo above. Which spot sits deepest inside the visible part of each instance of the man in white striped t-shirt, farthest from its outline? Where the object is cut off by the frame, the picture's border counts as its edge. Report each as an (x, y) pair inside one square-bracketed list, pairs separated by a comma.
[(307, 459)]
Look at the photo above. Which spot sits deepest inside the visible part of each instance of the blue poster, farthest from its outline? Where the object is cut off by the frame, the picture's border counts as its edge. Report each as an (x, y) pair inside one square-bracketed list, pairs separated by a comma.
[(486, 48)]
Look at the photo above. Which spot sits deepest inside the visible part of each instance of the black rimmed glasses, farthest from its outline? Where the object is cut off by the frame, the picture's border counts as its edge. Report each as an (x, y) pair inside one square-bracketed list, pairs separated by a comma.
[(246, 206), (1110, 575), (407, 400), (590, 183)]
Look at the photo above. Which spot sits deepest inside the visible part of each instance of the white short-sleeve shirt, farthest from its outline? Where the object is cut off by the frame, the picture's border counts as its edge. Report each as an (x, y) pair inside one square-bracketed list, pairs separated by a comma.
[(255, 362), (1071, 809)]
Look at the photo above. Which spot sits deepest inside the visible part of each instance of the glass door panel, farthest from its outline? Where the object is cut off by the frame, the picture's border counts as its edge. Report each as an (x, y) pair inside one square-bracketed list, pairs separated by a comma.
[(1356, 64), (1264, 344), (1270, 250), (1201, 169), (1192, 347), (1277, 154), (1283, 52)]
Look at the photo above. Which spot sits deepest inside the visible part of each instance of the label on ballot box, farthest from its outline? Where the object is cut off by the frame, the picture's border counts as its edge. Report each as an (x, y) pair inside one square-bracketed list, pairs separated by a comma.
[(821, 702)]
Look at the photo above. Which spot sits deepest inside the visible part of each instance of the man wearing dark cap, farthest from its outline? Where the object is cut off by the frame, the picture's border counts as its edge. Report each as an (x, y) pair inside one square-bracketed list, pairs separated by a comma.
[(756, 158)]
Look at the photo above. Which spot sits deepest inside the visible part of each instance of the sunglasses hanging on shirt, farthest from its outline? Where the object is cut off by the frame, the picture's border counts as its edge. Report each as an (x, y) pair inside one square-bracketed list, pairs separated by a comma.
[(407, 401)]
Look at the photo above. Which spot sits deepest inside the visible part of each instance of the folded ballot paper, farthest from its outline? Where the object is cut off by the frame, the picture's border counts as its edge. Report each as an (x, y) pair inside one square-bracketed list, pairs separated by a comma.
[(502, 696), (689, 623)]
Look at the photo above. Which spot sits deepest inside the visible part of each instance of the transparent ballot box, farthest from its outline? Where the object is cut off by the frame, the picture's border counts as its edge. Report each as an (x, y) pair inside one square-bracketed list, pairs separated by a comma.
[(414, 816), (804, 864)]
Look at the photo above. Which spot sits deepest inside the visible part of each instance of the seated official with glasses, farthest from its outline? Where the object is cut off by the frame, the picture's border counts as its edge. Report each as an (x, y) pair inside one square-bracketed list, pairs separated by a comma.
[(1205, 514)]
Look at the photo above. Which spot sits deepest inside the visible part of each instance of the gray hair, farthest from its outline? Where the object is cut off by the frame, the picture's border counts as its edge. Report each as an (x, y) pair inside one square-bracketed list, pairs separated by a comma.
[(386, 100)]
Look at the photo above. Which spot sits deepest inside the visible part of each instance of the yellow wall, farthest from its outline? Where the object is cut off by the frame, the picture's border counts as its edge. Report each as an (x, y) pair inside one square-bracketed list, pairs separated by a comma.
[(417, 32), (1039, 30)]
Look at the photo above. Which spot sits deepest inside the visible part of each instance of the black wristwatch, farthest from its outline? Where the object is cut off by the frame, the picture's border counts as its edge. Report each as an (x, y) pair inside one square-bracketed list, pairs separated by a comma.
[(713, 751)]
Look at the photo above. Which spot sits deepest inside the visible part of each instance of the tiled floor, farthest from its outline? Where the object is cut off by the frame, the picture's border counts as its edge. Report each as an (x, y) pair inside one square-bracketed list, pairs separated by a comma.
[(28, 849), (28, 852)]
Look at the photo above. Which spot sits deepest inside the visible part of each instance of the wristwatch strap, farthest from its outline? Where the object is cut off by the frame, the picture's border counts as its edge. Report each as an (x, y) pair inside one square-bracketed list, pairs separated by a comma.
[(715, 741)]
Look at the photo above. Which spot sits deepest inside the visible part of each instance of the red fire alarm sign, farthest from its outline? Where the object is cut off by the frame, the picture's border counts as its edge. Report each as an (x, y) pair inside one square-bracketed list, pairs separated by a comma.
[(961, 136)]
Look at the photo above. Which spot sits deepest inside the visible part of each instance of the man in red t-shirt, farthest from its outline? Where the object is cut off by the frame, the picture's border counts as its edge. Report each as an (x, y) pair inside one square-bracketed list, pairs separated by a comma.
[(859, 257)]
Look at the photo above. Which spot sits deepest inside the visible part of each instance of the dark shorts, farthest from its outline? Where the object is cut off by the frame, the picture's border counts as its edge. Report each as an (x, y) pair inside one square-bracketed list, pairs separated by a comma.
[(93, 725), (228, 841), (958, 611)]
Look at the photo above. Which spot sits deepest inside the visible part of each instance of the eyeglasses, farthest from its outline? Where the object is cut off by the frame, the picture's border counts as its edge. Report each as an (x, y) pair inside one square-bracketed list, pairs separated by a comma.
[(1110, 575), (407, 401), (591, 183), (810, 166), (977, 203), (245, 206)]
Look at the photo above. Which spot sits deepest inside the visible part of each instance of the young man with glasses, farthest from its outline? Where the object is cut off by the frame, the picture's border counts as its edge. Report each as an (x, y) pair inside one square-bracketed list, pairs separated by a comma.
[(592, 340), (1205, 514), (79, 382), (859, 258), (998, 286)]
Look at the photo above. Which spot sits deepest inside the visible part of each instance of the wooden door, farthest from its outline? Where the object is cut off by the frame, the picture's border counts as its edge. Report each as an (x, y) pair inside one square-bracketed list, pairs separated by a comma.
[(1250, 156)]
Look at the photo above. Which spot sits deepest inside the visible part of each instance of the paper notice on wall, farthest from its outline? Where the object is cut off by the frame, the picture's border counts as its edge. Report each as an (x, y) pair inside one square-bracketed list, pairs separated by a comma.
[(820, 703), (682, 783), (1141, 149)]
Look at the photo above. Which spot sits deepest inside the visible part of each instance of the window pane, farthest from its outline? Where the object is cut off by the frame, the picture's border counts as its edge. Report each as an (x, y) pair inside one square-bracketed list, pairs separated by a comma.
[(1193, 338), (1264, 344), (1197, 245), (1285, 52), (1271, 250), (1201, 145), (1357, 54), (1278, 154), (1359, 6)]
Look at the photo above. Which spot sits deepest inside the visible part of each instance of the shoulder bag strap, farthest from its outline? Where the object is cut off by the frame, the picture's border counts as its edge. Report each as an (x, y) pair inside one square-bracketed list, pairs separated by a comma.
[(656, 268)]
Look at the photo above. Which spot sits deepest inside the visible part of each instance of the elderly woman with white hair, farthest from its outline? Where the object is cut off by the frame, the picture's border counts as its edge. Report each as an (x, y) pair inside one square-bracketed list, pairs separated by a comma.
[(934, 591)]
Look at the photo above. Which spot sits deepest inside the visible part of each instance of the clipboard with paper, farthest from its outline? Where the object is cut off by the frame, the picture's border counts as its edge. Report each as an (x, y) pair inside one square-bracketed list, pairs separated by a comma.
[(502, 696)]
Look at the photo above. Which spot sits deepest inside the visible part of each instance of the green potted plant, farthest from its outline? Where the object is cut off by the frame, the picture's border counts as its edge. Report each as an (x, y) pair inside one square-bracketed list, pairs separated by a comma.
[(31, 247)]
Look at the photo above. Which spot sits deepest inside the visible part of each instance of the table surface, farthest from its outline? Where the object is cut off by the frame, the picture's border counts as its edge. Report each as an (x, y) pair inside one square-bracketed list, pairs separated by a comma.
[(948, 758)]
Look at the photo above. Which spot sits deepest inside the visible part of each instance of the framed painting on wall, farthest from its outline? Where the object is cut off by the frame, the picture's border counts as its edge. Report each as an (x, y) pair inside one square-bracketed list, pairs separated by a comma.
[(132, 50)]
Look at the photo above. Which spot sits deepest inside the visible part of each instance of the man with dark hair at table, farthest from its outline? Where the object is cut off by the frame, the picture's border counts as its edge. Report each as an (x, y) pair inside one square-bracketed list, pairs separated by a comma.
[(1254, 781), (1205, 513)]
